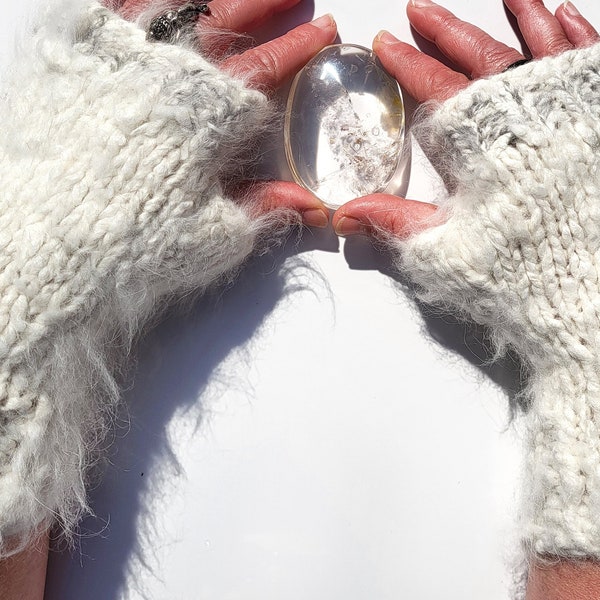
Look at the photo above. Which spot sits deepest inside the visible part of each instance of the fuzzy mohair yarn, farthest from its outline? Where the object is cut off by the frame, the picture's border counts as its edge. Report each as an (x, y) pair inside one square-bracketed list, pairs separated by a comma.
[(113, 156), (518, 250), (113, 153)]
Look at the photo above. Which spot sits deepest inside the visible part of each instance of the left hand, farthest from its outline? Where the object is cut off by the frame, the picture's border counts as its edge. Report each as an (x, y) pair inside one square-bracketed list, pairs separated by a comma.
[(475, 53), (265, 67)]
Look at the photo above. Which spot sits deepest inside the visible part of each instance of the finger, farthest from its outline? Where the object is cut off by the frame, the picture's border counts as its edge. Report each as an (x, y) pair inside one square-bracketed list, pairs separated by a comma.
[(579, 31), (383, 213), (267, 66), (266, 197), (231, 15), (473, 50), (541, 30), (243, 16), (423, 77)]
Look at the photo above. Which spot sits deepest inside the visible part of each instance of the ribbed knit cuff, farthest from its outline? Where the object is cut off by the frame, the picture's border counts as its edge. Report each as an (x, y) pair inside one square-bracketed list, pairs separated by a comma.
[(114, 153), (562, 477)]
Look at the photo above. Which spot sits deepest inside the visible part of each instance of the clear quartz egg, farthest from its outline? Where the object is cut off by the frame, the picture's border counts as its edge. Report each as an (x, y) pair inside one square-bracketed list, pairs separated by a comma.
[(344, 125)]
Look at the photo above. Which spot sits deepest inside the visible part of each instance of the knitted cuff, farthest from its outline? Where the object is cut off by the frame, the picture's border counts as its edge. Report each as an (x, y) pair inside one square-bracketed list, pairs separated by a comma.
[(562, 508), (518, 250), (113, 152)]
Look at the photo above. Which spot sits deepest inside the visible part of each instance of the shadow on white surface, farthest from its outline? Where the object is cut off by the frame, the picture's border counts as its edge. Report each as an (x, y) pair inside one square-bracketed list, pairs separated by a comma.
[(176, 361), (463, 338)]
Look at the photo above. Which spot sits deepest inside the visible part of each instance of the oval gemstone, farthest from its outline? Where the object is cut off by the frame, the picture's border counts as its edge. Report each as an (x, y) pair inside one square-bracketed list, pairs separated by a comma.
[(344, 125)]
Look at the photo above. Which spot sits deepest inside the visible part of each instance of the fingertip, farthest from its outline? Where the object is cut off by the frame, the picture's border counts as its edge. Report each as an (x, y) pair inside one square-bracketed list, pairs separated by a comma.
[(326, 29), (348, 219), (560, 12), (325, 23), (569, 9), (419, 4), (316, 217), (578, 30), (346, 226), (384, 38), (565, 11)]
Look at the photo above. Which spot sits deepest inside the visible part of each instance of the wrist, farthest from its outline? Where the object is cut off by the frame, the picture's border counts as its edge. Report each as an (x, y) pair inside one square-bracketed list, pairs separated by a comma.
[(564, 580)]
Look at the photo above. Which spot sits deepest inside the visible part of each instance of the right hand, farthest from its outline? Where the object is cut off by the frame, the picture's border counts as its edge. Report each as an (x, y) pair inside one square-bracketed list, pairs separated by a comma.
[(475, 53)]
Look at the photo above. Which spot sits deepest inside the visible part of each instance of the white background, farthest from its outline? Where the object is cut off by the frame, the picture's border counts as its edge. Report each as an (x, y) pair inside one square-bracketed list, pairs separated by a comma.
[(310, 432)]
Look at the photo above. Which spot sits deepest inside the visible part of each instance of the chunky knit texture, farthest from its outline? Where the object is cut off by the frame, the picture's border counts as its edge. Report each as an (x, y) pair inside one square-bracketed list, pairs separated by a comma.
[(520, 253), (112, 155)]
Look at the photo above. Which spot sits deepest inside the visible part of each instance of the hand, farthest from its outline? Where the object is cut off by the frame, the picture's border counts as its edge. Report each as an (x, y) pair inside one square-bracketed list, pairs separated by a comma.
[(473, 52), (478, 55), (118, 209), (265, 67)]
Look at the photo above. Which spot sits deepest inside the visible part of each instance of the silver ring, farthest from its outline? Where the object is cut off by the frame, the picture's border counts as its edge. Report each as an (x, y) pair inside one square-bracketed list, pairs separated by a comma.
[(168, 26)]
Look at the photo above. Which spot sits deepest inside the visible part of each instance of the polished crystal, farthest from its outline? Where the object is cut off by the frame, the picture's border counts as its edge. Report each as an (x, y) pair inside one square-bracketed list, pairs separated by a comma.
[(344, 126)]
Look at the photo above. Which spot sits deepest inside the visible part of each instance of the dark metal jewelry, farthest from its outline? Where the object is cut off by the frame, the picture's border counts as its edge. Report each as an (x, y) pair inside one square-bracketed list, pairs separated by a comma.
[(516, 64), (168, 26)]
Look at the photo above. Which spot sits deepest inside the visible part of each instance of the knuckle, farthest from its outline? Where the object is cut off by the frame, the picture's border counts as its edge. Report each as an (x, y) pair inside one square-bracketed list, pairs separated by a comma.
[(222, 16), (390, 221), (496, 59), (303, 37), (268, 61), (440, 82)]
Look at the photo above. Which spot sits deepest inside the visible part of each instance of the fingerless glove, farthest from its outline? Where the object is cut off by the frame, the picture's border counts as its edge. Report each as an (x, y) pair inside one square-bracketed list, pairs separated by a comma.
[(519, 251), (113, 152)]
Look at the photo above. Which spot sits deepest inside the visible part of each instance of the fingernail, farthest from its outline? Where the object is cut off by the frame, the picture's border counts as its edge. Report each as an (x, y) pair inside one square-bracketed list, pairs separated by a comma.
[(570, 9), (350, 226), (422, 3), (315, 217), (385, 37), (325, 22)]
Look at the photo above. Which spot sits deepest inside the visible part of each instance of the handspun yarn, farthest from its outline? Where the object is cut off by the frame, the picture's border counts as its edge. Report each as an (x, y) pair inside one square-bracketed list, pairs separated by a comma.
[(113, 154)]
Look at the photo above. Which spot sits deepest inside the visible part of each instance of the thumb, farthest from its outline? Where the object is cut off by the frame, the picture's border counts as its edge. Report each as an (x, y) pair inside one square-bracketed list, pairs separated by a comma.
[(383, 214), (284, 197)]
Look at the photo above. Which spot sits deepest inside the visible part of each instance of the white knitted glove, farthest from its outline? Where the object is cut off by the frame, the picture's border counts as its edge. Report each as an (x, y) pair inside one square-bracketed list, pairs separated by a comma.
[(112, 152), (520, 253)]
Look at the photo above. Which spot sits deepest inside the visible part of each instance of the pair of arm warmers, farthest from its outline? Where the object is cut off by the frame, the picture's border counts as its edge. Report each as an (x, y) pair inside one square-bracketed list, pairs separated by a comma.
[(113, 156)]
